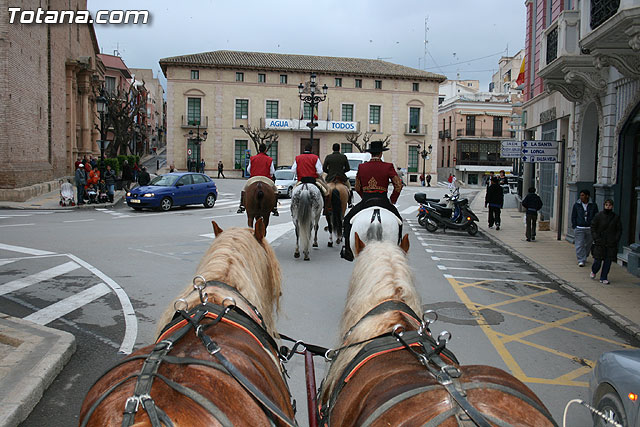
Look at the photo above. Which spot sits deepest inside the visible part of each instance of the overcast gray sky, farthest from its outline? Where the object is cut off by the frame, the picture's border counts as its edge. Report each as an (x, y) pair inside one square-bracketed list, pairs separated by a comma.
[(459, 31)]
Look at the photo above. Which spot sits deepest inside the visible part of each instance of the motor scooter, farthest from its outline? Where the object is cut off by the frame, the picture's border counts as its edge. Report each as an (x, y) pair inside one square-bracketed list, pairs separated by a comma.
[(433, 215)]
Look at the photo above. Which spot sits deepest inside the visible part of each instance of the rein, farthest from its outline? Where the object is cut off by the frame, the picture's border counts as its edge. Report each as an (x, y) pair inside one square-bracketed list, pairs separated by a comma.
[(182, 323)]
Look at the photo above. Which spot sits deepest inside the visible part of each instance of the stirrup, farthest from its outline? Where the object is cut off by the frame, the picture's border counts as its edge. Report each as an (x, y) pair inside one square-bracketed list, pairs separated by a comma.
[(240, 210)]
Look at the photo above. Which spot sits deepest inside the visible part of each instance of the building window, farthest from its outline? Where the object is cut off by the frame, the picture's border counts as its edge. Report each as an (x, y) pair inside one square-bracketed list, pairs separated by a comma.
[(239, 77), (448, 156), (471, 126), (262, 78), (242, 108), (414, 119), (374, 114), (469, 85), (347, 112), (442, 158), (413, 158), (239, 150), (273, 153), (378, 84), (416, 87), (272, 109), (195, 75), (346, 147), (283, 79), (193, 111), (358, 83), (338, 82), (110, 85), (306, 112), (497, 126)]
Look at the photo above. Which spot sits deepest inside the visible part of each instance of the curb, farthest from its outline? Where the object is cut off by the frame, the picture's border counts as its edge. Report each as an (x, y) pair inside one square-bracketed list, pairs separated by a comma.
[(37, 354), (116, 200)]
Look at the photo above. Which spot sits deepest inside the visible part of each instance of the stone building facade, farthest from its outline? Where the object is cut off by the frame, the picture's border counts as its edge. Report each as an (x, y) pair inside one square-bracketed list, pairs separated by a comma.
[(48, 74), (223, 91)]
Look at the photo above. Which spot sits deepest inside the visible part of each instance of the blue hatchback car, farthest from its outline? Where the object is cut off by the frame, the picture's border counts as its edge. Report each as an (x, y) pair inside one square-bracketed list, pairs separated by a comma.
[(174, 189)]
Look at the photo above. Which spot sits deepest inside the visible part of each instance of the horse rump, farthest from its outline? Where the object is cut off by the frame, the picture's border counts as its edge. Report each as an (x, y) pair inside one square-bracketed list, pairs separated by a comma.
[(336, 211)]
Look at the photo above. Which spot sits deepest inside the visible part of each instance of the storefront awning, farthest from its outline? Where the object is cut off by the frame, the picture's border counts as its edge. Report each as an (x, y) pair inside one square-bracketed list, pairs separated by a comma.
[(482, 168), (494, 114)]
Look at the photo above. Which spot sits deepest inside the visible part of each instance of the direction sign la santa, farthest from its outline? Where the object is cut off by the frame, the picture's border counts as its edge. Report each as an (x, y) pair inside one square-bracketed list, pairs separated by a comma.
[(540, 144)]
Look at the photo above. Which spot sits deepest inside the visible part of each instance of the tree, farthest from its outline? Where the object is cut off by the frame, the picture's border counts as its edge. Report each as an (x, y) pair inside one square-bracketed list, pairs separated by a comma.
[(124, 108), (267, 137), (353, 139)]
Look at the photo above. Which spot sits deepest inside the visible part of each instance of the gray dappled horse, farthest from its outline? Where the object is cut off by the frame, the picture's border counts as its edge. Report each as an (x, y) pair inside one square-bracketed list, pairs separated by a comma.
[(306, 208)]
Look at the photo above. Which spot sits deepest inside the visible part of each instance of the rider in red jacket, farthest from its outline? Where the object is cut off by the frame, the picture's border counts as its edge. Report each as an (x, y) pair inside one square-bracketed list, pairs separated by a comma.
[(260, 165)]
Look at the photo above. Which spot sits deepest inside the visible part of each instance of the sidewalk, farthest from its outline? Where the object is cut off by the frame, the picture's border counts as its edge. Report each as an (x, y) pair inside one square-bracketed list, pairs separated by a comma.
[(51, 200), (617, 302)]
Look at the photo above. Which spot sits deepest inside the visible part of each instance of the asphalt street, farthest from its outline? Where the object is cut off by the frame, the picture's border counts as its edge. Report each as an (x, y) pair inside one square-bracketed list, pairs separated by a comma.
[(105, 275)]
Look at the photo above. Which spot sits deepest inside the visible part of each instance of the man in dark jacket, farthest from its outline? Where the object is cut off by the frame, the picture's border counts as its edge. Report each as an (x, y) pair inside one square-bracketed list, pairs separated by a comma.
[(532, 203), (606, 230), (581, 216), (336, 165), (81, 180), (144, 178), (494, 199), (127, 175), (110, 181)]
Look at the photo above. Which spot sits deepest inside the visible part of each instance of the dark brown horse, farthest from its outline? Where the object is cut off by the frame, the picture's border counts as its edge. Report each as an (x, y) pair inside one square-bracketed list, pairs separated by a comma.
[(226, 373), (338, 198), (260, 199), (395, 373)]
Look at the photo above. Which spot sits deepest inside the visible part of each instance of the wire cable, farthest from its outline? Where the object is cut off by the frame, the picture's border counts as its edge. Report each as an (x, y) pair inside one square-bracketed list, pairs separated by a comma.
[(589, 407)]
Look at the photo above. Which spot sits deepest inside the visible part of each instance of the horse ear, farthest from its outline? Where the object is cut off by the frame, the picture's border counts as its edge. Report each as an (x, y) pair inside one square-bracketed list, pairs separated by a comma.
[(259, 230), (216, 229), (359, 244), (404, 244)]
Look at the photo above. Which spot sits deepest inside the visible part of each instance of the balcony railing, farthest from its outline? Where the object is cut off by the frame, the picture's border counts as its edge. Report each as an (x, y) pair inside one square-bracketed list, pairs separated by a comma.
[(483, 133), (560, 42), (441, 134), (447, 133), (552, 45), (601, 10), (413, 129), (193, 122)]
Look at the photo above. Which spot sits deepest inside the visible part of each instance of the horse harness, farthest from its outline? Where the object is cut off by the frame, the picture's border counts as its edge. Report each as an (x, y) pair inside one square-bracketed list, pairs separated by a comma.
[(431, 354), (181, 324)]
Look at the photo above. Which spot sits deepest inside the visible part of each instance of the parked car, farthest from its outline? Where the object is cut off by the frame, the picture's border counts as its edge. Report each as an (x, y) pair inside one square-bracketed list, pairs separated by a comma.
[(174, 189), (285, 180), (614, 385)]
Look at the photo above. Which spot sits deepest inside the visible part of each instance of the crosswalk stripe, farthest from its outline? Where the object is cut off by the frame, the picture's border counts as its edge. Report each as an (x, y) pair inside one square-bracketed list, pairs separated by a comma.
[(409, 210), (24, 250), (67, 305), (6, 261), (274, 231), (38, 277)]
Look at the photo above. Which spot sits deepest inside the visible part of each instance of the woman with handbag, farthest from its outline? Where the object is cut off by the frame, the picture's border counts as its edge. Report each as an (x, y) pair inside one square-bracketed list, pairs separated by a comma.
[(606, 230)]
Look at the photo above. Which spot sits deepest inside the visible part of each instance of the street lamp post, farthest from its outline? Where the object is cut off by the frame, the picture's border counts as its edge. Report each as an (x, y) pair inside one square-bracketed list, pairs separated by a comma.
[(312, 99), (101, 104), (426, 152), (198, 139)]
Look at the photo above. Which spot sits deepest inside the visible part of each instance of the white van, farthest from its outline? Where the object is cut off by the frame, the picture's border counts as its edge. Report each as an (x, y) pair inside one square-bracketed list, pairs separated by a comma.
[(355, 159)]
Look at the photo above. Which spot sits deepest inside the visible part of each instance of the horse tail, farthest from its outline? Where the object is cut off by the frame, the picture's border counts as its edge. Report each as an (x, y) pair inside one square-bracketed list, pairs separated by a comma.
[(336, 208), (304, 215), (374, 232), (259, 193)]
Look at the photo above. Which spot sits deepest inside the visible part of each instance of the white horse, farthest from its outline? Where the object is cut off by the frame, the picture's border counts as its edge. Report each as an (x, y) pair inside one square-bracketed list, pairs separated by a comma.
[(375, 224), (306, 208)]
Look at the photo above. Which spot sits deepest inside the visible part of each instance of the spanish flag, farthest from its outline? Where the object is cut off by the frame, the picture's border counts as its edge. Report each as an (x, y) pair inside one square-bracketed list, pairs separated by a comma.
[(520, 79)]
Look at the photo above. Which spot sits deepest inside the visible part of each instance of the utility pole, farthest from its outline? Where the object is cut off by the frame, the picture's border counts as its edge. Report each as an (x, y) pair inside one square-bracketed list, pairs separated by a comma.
[(426, 30)]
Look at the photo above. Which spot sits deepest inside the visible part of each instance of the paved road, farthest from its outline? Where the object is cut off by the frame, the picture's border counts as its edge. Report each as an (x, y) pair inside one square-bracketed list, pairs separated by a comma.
[(83, 271)]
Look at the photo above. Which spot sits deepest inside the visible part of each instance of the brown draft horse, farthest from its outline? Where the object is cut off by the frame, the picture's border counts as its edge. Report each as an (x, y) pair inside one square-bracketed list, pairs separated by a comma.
[(260, 199), (381, 380), (338, 198), (193, 386)]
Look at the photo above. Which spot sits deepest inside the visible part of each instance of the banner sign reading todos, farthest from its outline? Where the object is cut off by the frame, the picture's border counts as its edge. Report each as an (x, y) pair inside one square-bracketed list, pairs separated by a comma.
[(322, 125)]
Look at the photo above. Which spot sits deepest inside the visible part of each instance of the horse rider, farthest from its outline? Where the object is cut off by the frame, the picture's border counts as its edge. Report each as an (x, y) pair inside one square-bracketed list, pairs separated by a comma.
[(260, 169), (308, 169), (336, 165), (372, 182)]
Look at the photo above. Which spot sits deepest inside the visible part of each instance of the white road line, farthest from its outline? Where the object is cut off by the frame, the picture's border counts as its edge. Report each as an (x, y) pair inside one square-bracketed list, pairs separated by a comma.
[(479, 279), (59, 270), (409, 210), (30, 257), (463, 253), (274, 231), (435, 258), (16, 225), (67, 305), (442, 267), (155, 253), (6, 261), (24, 250), (80, 220), (446, 246), (14, 215), (130, 319)]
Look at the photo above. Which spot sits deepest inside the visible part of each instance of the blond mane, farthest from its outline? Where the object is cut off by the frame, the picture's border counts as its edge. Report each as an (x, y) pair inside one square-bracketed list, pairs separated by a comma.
[(237, 258), (381, 272)]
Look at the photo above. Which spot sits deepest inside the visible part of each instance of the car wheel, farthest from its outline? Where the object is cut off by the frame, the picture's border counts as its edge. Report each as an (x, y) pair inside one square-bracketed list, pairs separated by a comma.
[(165, 204), (472, 229), (611, 406), (289, 191), (210, 200), (135, 208)]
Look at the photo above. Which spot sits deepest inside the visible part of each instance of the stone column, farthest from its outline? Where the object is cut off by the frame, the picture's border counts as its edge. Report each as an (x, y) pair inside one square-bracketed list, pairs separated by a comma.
[(84, 87), (602, 192), (71, 142)]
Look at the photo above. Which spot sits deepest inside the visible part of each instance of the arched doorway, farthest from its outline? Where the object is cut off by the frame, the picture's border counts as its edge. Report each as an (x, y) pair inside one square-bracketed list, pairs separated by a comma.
[(627, 193)]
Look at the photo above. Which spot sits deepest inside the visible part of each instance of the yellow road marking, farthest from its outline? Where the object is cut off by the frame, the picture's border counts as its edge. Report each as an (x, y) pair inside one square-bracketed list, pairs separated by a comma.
[(520, 298), (537, 301), (544, 327)]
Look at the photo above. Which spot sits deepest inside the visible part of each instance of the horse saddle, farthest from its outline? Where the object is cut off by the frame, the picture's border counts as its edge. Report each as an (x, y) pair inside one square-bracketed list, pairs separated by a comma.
[(374, 215)]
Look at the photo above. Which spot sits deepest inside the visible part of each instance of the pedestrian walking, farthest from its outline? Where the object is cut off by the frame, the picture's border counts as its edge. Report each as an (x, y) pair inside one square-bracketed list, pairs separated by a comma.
[(143, 177), (110, 181), (172, 168), (606, 230), (532, 203), (422, 179), (428, 181), (127, 175), (494, 199), (81, 181), (581, 216), (202, 165), (220, 169)]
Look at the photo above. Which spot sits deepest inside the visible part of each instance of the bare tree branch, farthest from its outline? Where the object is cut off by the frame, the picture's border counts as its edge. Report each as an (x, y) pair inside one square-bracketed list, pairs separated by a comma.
[(267, 137), (353, 139), (123, 107)]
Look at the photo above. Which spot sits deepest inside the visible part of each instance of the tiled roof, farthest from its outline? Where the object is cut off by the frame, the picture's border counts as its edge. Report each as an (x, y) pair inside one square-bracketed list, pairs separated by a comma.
[(300, 63)]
